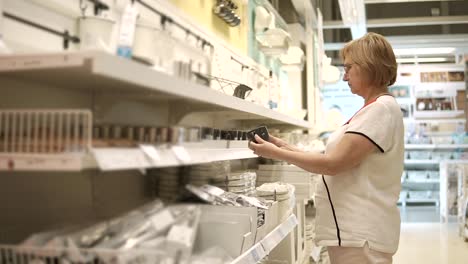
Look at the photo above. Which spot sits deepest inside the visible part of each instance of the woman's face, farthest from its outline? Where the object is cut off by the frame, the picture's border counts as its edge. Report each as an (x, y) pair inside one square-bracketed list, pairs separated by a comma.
[(354, 77)]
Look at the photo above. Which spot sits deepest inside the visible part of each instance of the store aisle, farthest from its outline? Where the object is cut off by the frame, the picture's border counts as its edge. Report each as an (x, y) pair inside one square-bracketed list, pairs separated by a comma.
[(431, 243)]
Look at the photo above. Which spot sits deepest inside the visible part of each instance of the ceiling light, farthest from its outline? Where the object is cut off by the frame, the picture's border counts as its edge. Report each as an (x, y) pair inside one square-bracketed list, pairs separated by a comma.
[(423, 51), (412, 60)]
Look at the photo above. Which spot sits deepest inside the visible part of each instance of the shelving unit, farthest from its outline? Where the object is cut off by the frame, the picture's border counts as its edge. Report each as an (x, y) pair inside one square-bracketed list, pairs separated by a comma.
[(426, 86), (453, 187), (106, 72), (130, 102), (253, 255), (112, 180)]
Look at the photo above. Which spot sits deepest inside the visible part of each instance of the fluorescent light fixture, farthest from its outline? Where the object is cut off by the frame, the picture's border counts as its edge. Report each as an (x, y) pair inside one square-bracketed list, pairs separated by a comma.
[(412, 60), (423, 51)]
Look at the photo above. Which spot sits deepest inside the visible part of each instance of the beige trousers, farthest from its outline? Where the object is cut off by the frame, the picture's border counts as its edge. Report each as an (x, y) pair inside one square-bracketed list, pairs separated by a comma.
[(358, 255)]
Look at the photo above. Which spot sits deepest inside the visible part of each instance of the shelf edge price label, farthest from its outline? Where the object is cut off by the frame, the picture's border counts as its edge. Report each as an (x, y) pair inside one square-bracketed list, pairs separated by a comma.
[(151, 152), (181, 154)]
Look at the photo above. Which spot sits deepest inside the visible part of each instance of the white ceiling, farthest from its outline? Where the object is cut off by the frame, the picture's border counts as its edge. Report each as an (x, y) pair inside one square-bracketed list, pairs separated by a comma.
[(406, 23)]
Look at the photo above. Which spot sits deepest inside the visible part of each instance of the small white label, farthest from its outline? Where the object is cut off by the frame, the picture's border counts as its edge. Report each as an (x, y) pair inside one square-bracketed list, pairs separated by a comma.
[(181, 153), (253, 201), (127, 25), (257, 254), (162, 219), (109, 159), (151, 152), (181, 234)]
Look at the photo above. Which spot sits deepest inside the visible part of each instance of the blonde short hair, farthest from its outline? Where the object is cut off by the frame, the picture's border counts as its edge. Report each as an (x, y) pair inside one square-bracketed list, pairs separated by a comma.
[(374, 54)]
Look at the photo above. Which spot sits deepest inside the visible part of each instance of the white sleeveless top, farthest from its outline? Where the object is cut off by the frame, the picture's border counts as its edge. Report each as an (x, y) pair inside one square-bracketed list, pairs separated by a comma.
[(360, 205)]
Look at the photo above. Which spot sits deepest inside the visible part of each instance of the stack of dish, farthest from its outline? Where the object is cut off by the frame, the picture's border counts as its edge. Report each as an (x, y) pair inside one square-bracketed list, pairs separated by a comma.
[(281, 192), (204, 174), (303, 181), (169, 184), (219, 174), (237, 182), (309, 235)]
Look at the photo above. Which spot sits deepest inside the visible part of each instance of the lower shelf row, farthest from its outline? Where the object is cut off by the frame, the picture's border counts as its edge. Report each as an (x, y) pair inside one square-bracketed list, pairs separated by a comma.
[(184, 233)]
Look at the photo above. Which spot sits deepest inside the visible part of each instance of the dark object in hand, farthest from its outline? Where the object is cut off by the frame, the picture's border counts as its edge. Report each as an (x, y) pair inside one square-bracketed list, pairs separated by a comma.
[(260, 131), (241, 91)]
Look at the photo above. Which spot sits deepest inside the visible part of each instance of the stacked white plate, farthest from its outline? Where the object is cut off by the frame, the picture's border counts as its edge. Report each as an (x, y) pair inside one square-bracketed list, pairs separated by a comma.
[(204, 174), (303, 181), (309, 235), (169, 184), (281, 192), (237, 182), (219, 174)]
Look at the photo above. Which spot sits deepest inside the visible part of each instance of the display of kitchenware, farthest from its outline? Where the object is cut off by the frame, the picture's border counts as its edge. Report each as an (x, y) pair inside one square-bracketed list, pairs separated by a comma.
[(225, 9)]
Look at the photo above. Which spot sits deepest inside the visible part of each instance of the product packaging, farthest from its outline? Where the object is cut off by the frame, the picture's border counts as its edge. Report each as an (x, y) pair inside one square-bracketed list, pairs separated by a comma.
[(127, 31)]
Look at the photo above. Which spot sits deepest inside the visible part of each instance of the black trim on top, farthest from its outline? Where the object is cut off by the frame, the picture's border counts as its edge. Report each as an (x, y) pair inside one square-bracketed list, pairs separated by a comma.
[(364, 135), (333, 210)]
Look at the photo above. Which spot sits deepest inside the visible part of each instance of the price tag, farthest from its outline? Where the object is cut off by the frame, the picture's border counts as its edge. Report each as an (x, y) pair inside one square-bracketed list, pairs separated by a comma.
[(181, 234), (181, 153), (162, 219), (151, 152), (253, 201), (109, 159), (254, 255), (257, 254)]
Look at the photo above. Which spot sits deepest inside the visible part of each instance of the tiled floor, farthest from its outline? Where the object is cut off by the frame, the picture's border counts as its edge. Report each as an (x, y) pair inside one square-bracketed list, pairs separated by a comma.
[(431, 243), (426, 241)]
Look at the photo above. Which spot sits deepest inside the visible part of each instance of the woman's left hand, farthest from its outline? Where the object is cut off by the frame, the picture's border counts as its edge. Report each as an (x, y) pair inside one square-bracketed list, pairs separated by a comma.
[(263, 148)]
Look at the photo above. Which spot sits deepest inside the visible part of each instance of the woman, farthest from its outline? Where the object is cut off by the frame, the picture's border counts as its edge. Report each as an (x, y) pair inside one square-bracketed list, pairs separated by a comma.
[(357, 215)]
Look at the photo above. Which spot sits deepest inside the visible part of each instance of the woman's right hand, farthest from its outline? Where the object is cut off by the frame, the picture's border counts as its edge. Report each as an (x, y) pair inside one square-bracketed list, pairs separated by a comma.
[(277, 141), (281, 144)]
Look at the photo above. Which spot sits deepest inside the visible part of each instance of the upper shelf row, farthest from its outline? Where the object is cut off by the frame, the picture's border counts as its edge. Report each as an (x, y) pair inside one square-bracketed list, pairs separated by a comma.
[(99, 70)]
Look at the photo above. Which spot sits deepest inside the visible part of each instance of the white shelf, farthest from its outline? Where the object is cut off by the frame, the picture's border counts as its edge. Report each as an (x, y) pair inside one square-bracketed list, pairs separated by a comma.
[(428, 181), (106, 72), (436, 146), (453, 120), (45, 162), (268, 243), (438, 114), (423, 162), (441, 85), (423, 200), (428, 164), (112, 159), (438, 133)]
